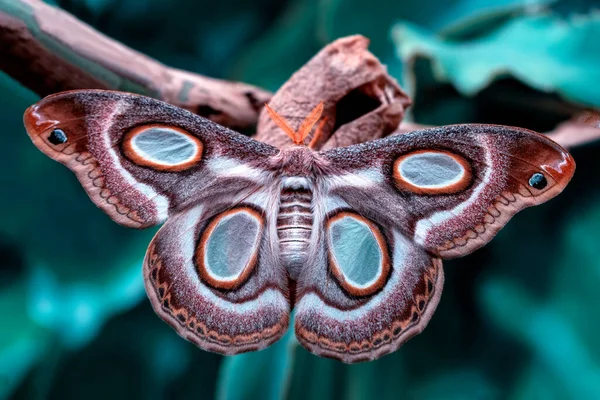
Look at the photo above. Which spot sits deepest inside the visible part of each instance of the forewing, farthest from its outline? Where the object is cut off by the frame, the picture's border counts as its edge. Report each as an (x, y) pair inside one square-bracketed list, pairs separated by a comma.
[(449, 189), (211, 272), (140, 159)]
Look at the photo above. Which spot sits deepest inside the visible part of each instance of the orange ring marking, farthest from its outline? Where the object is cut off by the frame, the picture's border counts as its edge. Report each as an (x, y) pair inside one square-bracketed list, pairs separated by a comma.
[(137, 159), (385, 257), (456, 187), (200, 255)]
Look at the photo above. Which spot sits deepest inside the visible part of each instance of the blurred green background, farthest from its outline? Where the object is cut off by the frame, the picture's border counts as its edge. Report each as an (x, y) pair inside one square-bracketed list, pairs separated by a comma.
[(518, 319)]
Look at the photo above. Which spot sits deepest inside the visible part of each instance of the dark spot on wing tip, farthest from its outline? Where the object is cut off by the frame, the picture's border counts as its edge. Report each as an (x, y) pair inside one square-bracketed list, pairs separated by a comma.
[(429, 286), (415, 317), (57, 136), (538, 181)]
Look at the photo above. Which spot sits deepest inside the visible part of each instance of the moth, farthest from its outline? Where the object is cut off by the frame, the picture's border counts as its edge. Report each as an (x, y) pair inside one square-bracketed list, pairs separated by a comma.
[(351, 238)]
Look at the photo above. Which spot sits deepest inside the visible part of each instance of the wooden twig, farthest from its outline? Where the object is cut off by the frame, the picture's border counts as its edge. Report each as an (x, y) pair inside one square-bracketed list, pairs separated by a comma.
[(581, 129), (49, 50), (409, 127)]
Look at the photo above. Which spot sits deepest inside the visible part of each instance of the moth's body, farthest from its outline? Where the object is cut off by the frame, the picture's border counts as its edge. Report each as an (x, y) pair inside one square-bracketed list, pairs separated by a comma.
[(294, 223), (298, 167), (362, 229)]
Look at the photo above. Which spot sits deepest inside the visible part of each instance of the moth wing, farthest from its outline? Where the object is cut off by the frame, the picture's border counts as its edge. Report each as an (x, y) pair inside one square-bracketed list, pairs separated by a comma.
[(449, 189), (388, 211), (367, 290), (139, 159), (211, 272)]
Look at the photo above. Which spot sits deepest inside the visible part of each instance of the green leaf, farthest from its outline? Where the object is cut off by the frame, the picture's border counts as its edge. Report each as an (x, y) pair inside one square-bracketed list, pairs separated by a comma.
[(551, 307), (373, 19), (556, 345), (22, 342), (547, 53)]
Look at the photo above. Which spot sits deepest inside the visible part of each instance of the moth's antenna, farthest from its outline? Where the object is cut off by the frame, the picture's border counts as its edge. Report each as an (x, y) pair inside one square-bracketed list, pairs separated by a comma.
[(318, 133), (310, 120), (282, 123), (299, 135)]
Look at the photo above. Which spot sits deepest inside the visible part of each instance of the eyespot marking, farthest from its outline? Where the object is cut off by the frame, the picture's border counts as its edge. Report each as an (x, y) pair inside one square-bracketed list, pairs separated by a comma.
[(57, 136), (358, 254), (538, 181), (165, 148), (228, 248), (432, 172)]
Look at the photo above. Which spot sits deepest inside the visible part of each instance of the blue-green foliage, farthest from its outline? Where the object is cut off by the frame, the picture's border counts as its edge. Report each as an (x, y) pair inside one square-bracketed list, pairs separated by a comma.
[(547, 52), (518, 319)]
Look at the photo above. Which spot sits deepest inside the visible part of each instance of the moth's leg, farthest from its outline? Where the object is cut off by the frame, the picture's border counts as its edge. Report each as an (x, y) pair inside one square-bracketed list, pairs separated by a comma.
[(80, 58)]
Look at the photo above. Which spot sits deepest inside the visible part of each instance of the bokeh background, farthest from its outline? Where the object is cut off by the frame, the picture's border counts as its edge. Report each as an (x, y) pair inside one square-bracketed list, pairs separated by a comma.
[(519, 319)]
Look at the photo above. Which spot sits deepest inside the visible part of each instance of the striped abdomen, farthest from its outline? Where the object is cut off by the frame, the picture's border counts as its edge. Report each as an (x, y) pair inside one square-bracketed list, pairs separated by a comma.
[(294, 226)]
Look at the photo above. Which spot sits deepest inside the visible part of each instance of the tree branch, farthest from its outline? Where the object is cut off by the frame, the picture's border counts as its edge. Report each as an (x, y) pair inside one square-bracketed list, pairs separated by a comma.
[(581, 129), (48, 51)]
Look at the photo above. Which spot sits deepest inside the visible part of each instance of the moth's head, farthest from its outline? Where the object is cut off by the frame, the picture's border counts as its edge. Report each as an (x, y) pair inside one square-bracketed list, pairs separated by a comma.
[(299, 135), (541, 165), (297, 160)]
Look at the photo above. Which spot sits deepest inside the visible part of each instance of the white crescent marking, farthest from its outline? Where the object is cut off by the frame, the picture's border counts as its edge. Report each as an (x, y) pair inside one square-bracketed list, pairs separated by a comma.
[(424, 226), (160, 202), (229, 167)]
